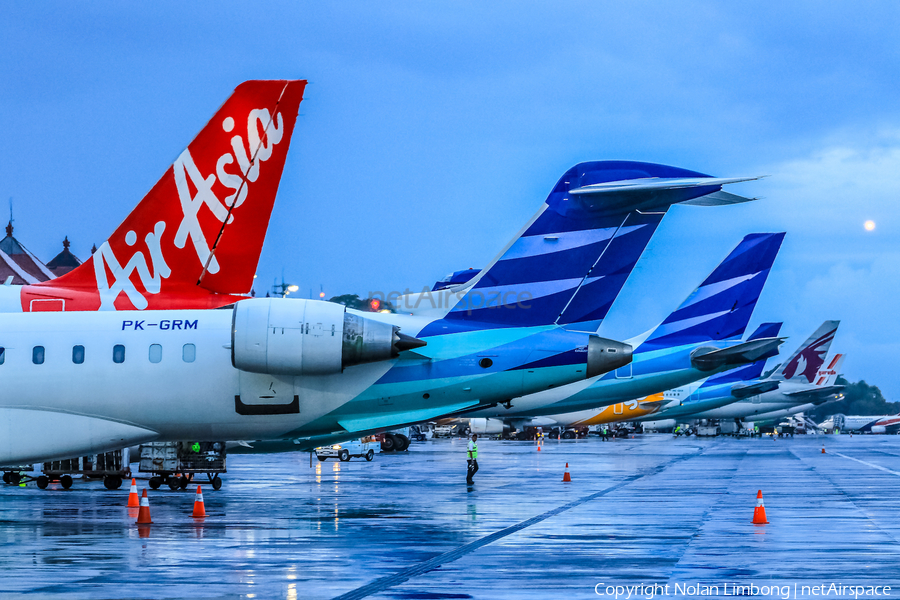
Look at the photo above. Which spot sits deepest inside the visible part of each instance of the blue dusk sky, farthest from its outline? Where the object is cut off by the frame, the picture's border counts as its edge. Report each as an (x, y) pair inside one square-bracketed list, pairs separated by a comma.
[(430, 132)]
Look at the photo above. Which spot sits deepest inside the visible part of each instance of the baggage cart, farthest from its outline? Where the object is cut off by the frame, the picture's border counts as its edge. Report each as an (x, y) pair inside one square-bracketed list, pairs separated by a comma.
[(176, 463), (112, 467)]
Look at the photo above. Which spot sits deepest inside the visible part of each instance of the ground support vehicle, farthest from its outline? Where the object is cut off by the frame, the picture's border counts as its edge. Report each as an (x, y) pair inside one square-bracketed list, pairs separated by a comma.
[(176, 463), (347, 450), (16, 474), (113, 467), (707, 431)]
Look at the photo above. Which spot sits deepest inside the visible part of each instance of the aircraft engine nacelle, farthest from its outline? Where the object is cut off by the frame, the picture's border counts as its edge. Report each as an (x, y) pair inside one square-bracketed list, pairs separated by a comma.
[(878, 429), (483, 426), (605, 355), (281, 336)]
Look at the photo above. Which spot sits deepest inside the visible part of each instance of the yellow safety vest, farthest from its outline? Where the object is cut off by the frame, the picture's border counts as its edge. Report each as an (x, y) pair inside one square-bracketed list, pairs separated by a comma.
[(473, 451)]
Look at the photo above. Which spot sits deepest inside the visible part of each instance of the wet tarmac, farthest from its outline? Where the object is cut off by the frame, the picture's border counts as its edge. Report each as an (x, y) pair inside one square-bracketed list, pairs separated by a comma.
[(649, 510)]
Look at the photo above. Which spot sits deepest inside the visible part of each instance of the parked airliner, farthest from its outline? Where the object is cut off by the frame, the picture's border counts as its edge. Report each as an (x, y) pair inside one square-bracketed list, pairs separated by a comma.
[(84, 382), (700, 338)]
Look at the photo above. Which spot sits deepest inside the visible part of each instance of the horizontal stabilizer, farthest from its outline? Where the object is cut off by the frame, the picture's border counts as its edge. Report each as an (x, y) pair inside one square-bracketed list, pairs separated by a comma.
[(652, 404), (657, 183), (654, 193), (707, 358), (719, 198), (744, 390), (820, 392)]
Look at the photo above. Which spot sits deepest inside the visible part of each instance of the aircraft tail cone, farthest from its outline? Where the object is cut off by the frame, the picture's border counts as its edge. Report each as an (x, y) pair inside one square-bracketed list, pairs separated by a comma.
[(144, 511), (759, 513), (566, 477), (199, 508), (408, 342), (133, 500)]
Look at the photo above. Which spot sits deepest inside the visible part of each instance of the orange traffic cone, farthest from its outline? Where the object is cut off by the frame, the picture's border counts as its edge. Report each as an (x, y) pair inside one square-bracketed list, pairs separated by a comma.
[(133, 500), (539, 447), (823, 448), (144, 512), (759, 513), (566, 476), (199, 509)]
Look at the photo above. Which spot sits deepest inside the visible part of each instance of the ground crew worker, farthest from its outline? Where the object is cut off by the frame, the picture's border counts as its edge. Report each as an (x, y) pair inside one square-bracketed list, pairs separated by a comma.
[(472, 458), (605, 433)]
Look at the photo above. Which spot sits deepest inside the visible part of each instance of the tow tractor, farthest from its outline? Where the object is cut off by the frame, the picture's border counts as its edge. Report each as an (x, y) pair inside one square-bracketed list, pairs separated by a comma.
[(346, 451)]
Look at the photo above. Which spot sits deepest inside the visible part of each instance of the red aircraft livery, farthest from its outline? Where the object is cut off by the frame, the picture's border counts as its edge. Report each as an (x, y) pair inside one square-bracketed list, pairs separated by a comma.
[(194, 240)]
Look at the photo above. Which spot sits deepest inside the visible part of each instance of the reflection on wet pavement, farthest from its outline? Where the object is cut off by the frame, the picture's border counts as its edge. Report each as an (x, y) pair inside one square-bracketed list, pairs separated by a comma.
[(646, 510)]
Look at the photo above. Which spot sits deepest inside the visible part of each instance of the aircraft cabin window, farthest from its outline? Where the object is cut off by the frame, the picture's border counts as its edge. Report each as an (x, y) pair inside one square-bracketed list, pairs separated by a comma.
[(37, 355), (155, 353), (118, 353), (77, 354), (2, 355), (189, 353)]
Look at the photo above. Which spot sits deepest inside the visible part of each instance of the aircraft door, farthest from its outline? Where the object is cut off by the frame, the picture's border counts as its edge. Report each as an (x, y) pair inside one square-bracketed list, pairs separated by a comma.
[(263, 394)]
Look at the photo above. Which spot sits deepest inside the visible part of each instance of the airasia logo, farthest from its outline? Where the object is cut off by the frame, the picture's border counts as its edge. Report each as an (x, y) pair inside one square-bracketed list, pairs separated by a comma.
[(235, 170), (186, 169)]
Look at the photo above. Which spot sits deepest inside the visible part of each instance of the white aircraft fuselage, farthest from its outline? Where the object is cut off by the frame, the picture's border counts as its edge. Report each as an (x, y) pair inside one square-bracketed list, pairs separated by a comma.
[(90, 381)]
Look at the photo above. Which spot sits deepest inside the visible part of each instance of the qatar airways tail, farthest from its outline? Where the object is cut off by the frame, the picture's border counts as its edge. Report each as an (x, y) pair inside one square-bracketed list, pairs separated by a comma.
[(194, 240)]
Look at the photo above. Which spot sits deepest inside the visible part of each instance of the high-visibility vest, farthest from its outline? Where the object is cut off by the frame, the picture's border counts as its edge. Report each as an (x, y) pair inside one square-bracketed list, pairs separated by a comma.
[(473, 451)]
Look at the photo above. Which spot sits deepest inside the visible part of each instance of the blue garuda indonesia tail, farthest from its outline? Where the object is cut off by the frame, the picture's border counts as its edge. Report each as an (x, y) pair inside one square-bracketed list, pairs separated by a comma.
[(722, 306), (569, 263)]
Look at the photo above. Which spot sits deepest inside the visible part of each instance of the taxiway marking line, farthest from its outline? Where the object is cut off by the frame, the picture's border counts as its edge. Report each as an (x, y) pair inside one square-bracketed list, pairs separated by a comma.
[(874, 466), (389, 581)]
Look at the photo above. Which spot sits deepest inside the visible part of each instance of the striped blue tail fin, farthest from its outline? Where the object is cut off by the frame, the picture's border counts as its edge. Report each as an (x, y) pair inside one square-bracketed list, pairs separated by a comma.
[(722, 306), (569, 263)]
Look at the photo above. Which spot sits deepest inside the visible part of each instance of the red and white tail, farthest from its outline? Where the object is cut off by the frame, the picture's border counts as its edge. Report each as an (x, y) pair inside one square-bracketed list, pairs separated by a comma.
[(828, 374), (199, 232), (804, 364)]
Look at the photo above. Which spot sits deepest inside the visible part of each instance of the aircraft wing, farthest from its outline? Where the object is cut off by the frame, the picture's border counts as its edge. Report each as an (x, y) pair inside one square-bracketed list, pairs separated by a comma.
[(386, 420)]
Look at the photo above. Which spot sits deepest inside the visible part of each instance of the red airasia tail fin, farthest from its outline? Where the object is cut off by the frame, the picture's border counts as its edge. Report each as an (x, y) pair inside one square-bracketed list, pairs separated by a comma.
[(199, 231)]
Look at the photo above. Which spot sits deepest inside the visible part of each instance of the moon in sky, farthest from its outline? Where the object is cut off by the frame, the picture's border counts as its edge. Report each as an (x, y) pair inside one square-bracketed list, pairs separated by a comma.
[(869, 225)]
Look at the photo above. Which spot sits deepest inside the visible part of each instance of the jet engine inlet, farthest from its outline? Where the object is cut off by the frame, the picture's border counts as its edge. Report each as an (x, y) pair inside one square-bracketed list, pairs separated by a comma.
[(605, 355)]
